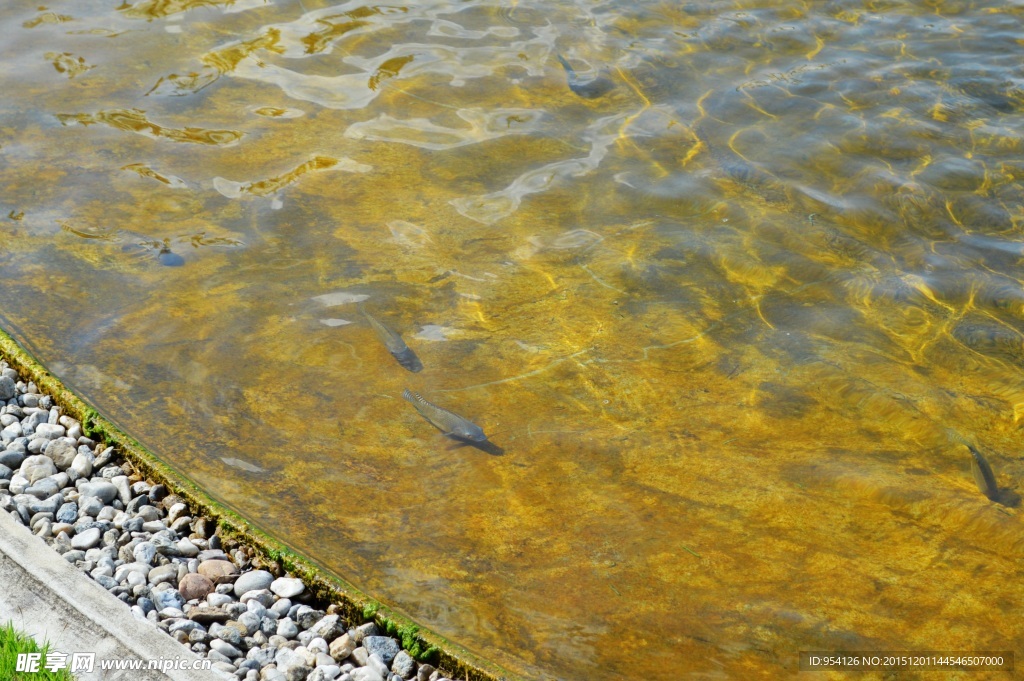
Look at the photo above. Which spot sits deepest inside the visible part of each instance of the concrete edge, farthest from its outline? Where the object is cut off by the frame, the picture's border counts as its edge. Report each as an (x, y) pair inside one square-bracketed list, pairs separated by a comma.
[(355, 606), (48, 598)]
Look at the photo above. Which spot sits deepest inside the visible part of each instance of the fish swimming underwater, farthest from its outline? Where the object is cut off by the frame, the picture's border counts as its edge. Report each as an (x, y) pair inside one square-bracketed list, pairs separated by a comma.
[(402, 353), (588, 88), (452, 425), (984, 476)]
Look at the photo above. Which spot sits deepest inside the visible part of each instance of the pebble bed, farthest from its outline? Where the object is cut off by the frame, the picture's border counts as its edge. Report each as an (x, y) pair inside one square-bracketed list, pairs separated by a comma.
[(142, 544)]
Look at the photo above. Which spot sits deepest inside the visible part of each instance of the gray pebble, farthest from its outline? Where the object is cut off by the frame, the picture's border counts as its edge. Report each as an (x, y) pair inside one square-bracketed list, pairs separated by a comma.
[(216, 599), (37, 467), (187, 548), (48, 505), (168, 598), (185, 625), (62, 452), (225, 648), (43, 488), (287, 628), (286, 587), (86, 540), (378, 665), (306, 616), (49, 431), (82, 464), (164, 573), (12, 458), (218, 657), (144, 552), (383, 646), (261, 596), (7, 387), (257, 608), (251, 622), (101, 489), (253, 580), (148, 513), (229, 634), (366, 674), (261, 656), (404, 665), (364, 630), (89, 506), (328, 628), (124, 491), (281, 607)]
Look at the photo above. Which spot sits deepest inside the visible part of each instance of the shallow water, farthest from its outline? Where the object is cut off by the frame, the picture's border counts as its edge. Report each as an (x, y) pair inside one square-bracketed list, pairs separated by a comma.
[(720, 310)]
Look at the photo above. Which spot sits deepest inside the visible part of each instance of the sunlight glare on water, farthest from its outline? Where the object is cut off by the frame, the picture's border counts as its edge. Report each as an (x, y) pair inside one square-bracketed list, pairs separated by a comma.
[(729, 283)]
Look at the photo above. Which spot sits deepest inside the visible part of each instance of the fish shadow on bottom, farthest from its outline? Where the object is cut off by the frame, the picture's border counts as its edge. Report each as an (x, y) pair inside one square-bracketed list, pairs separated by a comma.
[(486, 446)]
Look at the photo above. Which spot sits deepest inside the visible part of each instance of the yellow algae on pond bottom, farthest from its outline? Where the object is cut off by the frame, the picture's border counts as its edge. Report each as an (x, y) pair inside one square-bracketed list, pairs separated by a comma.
[(719, 317)]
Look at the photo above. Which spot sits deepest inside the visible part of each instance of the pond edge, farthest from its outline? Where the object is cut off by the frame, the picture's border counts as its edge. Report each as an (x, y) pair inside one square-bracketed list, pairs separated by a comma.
[(355, 607)]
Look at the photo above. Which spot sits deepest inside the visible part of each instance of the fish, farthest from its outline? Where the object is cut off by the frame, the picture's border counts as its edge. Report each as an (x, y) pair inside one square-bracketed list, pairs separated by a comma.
[(587, 88), (984, 476), (451, 424), (402, 353)]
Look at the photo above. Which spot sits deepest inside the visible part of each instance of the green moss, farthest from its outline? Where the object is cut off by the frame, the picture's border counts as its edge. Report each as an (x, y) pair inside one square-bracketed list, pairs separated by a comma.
[(409, 635), (370, 610)]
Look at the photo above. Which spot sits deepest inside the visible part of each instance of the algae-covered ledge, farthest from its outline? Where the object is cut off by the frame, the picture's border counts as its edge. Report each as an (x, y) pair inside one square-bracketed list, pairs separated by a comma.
[(352, 606)]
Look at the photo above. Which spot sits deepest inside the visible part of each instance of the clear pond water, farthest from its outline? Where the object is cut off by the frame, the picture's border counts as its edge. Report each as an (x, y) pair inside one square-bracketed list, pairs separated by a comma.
[(729, 283)]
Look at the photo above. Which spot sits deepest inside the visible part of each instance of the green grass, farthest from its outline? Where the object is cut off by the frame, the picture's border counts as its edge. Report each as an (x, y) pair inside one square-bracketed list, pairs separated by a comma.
[(12, 643)]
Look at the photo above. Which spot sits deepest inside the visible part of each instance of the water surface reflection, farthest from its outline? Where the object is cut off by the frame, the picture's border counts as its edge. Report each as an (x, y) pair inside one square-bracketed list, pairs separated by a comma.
[(718, 278)]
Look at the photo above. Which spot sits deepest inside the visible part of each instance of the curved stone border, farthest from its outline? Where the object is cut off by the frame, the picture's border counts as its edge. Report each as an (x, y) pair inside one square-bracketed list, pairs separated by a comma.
[(353, 605)]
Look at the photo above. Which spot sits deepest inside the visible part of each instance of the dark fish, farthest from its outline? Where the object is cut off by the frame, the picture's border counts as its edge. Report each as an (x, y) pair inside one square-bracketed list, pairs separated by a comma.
[(402, 353), (984, 476), (588, 89), (452, 425)]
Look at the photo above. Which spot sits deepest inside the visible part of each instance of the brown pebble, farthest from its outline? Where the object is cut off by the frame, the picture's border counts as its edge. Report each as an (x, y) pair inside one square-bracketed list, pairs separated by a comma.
[(219, 571), (194, 586), (208, 615)]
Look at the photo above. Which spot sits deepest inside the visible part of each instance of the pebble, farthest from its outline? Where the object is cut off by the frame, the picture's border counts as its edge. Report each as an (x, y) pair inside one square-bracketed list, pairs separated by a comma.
[(383, 646), (12, 458), (404, 665), (162, 573), (37, 467), (49, 431), (225, 648), (169, 598), (100, 489), (218, 571), (195, 587), (286, 587), (7, 388), (144, 552), (252, 581), (89, 506), (61, 452), (378, 665), (86, 540)]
